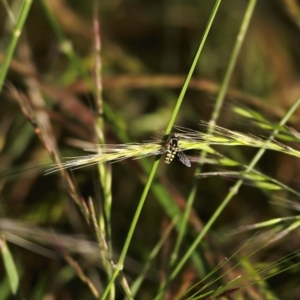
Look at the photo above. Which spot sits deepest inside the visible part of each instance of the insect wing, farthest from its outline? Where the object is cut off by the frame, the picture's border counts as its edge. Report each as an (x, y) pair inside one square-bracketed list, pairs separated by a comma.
[(184, 159)]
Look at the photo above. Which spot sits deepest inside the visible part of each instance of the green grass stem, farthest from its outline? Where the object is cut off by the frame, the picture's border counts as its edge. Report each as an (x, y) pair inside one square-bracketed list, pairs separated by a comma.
[(156, 162), (220, 99), (233, 191), (192, 68), (104, 170), (14, 40)]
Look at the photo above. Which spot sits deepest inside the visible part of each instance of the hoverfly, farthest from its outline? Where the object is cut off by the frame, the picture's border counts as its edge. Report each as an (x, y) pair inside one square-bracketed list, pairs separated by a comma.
[(173, 148)]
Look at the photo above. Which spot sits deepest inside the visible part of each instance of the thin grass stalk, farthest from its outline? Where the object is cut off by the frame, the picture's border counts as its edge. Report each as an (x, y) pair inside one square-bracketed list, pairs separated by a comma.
[(76, 267), (99, 234), (66, 46), (183, 223), (120, 263), (103, 169), (233, 191), (9, 264), (232, 62), (106, 258), (14, 40), (215, 115), (192, 68)]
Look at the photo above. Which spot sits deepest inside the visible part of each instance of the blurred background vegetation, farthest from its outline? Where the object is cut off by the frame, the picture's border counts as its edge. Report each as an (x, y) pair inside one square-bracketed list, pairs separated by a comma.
[(146, 51)]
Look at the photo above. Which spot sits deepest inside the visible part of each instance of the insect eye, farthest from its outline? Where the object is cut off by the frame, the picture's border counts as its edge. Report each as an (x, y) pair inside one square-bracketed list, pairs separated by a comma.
[(174, 142)]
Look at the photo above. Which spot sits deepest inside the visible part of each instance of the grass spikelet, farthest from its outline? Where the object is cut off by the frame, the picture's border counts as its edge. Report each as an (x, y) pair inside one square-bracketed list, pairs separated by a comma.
[(226, 137), (189, 140), (111, 153)]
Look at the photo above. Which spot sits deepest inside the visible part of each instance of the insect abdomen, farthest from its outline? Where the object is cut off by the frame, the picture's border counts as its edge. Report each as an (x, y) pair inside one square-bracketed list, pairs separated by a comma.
[(172, 149), (170, 156)]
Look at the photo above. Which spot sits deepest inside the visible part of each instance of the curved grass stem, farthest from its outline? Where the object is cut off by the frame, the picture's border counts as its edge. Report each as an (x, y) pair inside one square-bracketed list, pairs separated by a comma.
[(156, 162), (220, 99)]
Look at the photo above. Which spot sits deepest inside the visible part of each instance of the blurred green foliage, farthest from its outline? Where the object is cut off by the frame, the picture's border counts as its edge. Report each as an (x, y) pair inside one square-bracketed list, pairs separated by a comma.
[(146, 51)]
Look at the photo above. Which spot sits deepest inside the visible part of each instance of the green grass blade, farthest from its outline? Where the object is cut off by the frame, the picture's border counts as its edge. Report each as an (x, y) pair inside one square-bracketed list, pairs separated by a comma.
[(10, 267), (14, 40), (193, 66), (216, 112), (156, 162)]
